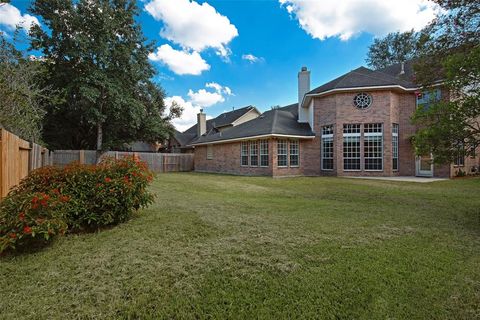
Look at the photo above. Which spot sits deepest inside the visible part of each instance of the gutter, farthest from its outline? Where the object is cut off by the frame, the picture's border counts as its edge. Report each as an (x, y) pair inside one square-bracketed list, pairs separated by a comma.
[(438, 83), (270, 135)]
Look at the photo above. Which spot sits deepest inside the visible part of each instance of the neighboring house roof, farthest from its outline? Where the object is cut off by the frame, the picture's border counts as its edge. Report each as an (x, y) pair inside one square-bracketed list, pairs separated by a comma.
[(224, 119), (275, 122)]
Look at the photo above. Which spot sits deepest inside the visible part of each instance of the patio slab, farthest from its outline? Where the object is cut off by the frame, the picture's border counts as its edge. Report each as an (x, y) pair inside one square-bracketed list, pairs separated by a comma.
[(403, 179)]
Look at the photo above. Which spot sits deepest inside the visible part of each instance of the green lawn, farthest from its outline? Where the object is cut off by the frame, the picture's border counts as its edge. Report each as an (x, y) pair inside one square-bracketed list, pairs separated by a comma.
[(240, 247)]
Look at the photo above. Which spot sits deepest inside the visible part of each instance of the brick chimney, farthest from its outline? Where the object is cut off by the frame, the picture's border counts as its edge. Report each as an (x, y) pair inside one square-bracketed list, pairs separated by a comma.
[(303, 88), (201, 123)]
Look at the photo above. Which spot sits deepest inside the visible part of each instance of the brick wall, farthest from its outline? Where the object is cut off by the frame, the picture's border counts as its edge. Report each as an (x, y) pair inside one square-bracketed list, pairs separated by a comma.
[(226, 159)]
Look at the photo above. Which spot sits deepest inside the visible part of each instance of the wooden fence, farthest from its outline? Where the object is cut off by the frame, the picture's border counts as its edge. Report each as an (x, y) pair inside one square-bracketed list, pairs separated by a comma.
[(17, 158), (157, 162)]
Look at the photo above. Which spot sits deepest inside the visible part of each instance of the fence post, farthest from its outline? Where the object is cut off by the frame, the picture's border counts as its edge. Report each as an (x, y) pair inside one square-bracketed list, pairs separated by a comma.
[(81, 156)]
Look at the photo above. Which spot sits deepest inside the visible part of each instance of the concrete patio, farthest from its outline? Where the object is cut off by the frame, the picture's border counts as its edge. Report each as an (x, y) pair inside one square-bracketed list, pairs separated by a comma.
[(403, 179)]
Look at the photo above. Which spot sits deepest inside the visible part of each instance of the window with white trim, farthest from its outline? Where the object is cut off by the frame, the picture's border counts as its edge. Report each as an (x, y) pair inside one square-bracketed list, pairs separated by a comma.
[(351, 147), (264, 153), (327, 147), (244, 154), (294, 153), (253, 153), (395, 147), (373, 146), (282, 153), (209, 151), (459, 160)]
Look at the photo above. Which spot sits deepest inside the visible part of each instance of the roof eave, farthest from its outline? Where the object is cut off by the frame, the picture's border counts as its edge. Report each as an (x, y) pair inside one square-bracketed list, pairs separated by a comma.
[(308, 96), (270, 135)]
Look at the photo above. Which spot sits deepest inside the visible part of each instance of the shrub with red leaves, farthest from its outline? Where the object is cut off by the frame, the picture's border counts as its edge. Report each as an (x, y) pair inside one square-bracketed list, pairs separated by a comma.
[(78, 197)]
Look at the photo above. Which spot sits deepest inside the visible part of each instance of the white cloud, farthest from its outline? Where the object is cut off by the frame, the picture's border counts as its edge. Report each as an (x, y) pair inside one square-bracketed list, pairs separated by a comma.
[(10, 16), (180, 62), (346, 18), (197, 100), (205, 98), (189, 114), (192, 25), (219, 88), (251, 58)]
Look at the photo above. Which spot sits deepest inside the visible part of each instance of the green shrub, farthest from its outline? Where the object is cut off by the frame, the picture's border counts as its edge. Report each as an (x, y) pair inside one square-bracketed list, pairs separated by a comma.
[(83, 197), (28, 218)]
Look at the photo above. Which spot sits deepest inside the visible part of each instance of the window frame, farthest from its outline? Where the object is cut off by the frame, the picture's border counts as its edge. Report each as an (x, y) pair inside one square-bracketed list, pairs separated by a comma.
[(242, 154), (264, 143), (376, 146), (327, 136), (286, 155), (352, 131), (253, 154), (296, 143), (395, 147)]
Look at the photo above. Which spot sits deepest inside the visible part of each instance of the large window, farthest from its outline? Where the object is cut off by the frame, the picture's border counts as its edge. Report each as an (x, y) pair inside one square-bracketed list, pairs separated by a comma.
[(395, 147), (264, 153), (244, 155), (351, 147), (426, 98), (373, 146), (327, 148), (253, 153), (282, 153), (294, 153)]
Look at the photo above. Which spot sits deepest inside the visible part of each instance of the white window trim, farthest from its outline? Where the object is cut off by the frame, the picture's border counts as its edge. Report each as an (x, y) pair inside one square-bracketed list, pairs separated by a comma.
[(290, 154), (286, 154), (327, 136), (250, 153), (396, 134), (374, 134), (263, 154), (242, 155)]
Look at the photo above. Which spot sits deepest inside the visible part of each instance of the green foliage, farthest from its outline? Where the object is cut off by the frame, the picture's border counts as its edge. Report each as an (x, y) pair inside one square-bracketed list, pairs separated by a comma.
[(82, 197), (394, 48), (97, 56), (450, 129), (21, 110), (31, 218)]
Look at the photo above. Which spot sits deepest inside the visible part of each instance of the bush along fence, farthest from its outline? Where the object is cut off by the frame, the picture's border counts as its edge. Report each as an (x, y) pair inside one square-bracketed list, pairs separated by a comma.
[(157, 162), (53, 201), (17, 159)]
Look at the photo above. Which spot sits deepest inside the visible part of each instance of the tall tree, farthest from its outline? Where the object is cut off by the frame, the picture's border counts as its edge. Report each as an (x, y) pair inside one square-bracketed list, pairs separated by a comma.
[(394, 48), (450, 128), (97, 56), (21, 109)]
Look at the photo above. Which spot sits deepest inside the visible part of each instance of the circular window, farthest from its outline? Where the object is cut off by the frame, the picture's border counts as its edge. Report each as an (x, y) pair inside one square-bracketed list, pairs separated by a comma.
[(362, 100)]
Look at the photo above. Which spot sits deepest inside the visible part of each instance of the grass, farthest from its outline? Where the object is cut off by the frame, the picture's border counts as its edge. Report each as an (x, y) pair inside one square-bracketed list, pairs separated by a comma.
[(240, 247)]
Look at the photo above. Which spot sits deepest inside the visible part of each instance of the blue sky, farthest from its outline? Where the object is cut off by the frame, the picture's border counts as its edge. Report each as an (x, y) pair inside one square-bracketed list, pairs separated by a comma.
[(220, 54)]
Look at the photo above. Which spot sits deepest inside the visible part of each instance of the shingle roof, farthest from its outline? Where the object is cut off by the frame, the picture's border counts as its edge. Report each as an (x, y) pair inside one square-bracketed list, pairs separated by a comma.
[(364, 77), (281, 121), (224, 119)]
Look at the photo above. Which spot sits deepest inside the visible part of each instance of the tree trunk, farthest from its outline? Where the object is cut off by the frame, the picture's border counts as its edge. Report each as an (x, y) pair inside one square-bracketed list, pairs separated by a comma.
[(99, 136), (99, 142)]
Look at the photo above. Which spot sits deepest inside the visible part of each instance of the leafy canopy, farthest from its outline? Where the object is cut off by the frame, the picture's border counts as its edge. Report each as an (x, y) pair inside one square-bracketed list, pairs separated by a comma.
[(97, 57)]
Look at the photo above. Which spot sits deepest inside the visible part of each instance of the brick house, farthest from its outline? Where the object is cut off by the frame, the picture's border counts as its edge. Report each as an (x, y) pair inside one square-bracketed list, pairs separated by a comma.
[(355, 125), (181, 141)]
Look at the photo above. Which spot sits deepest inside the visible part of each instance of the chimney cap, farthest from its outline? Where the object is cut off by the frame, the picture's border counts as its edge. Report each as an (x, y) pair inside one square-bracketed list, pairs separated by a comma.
[(201, 110), (304, 68)]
